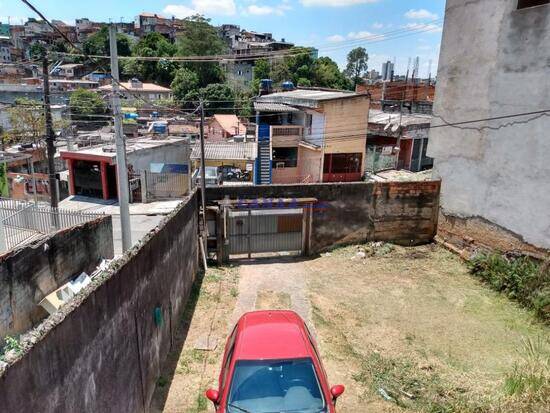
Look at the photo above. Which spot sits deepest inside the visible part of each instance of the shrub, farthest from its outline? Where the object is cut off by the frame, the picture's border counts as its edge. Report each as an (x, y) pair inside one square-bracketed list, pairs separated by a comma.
[(519, 277)]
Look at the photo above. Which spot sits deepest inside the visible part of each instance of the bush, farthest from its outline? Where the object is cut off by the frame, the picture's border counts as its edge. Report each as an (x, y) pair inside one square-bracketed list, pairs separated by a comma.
[(520, 278)]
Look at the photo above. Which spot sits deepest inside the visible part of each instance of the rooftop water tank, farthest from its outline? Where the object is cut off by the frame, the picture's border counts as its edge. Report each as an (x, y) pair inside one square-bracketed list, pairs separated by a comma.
[(288, 85)]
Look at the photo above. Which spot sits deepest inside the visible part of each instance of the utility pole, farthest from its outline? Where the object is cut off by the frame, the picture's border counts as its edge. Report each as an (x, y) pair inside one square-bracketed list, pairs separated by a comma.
[(50, 134), (122, 168), (203, 166)]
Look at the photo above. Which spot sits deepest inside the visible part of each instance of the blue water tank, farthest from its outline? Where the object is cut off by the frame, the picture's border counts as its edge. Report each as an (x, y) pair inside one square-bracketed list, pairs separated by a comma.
[(288, 85), (266, 85)]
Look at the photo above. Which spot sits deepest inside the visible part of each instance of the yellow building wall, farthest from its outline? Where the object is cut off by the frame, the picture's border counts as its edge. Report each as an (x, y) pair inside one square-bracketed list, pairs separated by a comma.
[(346, 122)]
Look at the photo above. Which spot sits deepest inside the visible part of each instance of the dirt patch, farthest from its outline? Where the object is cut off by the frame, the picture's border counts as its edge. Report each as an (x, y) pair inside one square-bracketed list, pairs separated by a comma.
[(405, 329), (190, 369), (411, 330), (272, 300)]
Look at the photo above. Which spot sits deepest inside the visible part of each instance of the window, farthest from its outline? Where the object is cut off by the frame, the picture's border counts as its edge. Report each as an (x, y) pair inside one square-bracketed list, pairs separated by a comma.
[(285, 157), (523, 4), (265, 386)]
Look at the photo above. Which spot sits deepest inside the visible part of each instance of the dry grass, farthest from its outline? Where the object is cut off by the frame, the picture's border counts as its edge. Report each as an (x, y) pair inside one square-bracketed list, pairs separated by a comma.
[(408, 329), (212, 301)]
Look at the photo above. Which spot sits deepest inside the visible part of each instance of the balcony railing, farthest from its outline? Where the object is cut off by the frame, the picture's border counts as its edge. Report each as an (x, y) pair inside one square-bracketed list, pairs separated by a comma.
[(287, 130)]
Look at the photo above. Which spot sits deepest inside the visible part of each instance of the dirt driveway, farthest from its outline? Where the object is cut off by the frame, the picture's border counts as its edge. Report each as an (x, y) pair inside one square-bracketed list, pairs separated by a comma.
[(405, 329)]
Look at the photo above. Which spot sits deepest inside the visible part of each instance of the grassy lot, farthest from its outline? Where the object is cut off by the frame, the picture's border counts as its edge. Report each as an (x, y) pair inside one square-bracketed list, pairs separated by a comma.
[(405, 329), (408, 329)]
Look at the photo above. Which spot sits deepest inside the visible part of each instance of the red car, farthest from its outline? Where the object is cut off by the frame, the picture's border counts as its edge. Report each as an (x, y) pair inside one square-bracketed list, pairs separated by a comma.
[(271, 365)]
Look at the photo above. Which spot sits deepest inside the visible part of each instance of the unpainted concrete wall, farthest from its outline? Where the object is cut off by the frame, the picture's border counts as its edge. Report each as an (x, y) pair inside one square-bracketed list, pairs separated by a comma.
[(30, 273), (102, 353), (495, 61), (400, 212)]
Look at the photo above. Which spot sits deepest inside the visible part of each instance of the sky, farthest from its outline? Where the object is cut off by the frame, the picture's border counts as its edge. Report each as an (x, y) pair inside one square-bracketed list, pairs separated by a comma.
[(388, 29)]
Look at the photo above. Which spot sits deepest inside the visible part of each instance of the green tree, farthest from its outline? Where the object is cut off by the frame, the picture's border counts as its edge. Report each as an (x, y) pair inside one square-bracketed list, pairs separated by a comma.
[(184, 82), (37, 50), (357, 65), (158, 71), (326, 73), (86, 105), (217, 97), (262, 69), (200, 38), (98, 44)]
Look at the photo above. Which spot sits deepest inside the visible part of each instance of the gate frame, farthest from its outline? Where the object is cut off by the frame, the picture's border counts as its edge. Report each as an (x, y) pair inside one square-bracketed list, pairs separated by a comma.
[(222, 236)]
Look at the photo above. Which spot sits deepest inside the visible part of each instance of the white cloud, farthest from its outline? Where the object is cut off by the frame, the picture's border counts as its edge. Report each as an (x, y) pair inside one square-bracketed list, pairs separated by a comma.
[(420, 14), (179, 10), (364, 35), (206, 7), (336, 38), (424, 27), (334, 3), (377, 26), (259, 10), (355, 36)]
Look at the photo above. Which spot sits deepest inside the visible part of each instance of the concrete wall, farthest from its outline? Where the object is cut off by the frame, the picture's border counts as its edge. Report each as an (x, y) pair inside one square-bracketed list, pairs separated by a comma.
[(30, 273), (400, 212), (102, 352), (495, 61), (176, 153)]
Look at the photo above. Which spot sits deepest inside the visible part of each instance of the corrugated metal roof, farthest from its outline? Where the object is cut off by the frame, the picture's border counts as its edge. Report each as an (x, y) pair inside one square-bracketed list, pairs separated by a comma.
[(273, 107), (222, 150), (383, 118), (307, 97)]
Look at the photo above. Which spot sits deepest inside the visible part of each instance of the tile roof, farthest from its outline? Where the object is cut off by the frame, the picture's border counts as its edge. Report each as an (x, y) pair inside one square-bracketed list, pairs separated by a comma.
[(234, 150), (230, 123), (145, 87)]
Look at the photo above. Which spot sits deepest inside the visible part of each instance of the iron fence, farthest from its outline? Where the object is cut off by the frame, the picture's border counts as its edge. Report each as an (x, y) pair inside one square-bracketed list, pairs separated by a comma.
[(22, 221)]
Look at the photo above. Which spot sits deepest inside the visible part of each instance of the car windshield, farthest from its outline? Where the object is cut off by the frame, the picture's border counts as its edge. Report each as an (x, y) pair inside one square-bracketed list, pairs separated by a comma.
[(275, 386)]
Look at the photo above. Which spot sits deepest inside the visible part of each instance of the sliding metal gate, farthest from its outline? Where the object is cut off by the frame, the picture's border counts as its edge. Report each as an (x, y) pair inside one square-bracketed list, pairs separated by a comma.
[(253, 231)]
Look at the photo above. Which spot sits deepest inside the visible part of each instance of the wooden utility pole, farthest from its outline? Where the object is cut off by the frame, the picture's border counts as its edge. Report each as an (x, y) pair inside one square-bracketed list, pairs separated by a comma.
[(122, 168), (50, 134)]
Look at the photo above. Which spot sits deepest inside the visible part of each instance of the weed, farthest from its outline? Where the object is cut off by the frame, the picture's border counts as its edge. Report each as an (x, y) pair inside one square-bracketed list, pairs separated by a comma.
[(520, 278), (10, 344), (162, 381)]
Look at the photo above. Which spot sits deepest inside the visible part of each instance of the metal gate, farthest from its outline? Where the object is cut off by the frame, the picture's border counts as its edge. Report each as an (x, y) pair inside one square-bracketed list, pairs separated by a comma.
[(253, 231)]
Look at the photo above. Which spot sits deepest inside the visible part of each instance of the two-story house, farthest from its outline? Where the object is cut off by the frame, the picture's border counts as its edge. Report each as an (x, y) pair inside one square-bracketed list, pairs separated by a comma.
[(311, 135)]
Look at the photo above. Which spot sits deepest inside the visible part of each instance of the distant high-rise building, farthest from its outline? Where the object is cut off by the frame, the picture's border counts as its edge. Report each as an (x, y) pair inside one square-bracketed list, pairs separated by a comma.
[(387, 70)]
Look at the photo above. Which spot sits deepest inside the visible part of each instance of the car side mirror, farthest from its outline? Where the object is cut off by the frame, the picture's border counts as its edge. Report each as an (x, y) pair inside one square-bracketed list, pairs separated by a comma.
[(337, 391), (212, 395)]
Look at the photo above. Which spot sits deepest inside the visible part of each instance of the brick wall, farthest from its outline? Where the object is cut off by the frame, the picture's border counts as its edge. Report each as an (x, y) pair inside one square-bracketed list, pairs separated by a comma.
[(30, 273), (102, 352)]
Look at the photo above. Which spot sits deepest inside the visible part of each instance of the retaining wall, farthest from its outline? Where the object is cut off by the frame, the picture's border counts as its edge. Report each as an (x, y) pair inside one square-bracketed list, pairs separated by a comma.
[(103, 351), (401, 212), (29, 273)]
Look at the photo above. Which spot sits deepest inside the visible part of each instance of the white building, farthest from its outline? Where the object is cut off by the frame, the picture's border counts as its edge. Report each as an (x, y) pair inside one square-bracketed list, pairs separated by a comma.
[(494, 62)]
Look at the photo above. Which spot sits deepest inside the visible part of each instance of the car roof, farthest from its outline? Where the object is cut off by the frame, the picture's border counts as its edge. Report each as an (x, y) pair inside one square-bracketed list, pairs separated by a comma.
[(271, 335)]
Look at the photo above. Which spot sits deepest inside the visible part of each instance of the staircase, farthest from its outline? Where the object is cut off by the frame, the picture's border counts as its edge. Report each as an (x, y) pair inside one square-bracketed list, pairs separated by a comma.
[(264, 163)]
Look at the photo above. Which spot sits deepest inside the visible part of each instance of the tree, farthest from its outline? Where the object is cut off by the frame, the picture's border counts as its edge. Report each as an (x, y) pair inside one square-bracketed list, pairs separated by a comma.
[(262, 69), (86, 105), (27, 121), (326, 73), (161, 71), (200, 38), (217, 97), (357, 65), (98, 44), (184, 82)]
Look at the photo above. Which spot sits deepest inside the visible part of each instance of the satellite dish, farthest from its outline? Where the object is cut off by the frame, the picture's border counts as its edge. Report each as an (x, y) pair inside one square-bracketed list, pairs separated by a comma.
[(395, 128)]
